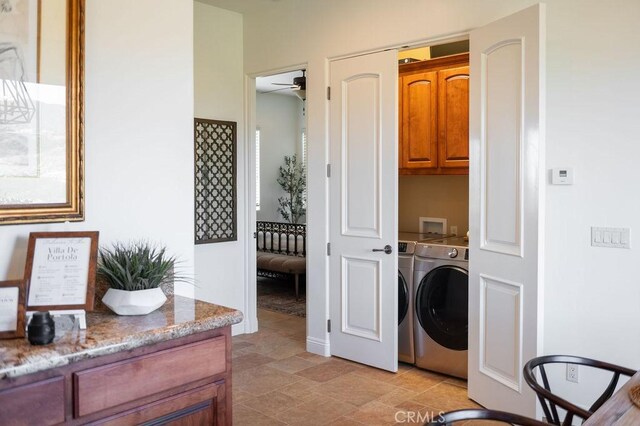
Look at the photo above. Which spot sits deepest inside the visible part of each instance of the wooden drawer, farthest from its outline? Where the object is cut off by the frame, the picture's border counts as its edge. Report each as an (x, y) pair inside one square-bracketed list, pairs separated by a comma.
[(196, 407), (108, 386), (39, 403)]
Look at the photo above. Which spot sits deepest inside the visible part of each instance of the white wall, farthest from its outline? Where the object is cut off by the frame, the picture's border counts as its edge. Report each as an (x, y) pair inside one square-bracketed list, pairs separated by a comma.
[(591, 294), (278, 118), (138, 131), (219, 94)]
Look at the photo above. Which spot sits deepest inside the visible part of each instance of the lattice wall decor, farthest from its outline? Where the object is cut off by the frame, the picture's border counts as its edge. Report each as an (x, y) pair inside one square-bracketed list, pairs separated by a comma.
[(215, 183)]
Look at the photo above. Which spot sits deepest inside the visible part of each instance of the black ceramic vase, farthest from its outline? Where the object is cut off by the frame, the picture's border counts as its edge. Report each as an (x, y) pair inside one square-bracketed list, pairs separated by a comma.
[(41, 329)]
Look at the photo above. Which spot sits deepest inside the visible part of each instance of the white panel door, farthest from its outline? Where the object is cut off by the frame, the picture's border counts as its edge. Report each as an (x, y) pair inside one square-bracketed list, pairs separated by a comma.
[(363, 209), (506, 179)]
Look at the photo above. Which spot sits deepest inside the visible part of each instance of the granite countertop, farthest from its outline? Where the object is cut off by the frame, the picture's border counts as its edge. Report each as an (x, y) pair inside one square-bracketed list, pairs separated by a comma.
[(108, 333)]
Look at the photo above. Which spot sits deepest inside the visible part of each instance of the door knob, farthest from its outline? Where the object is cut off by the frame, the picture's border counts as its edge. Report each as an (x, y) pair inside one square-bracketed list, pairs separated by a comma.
[(387, 249)]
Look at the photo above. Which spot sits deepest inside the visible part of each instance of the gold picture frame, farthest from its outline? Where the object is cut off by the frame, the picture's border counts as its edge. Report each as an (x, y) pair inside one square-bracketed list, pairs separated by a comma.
[(17, 206)]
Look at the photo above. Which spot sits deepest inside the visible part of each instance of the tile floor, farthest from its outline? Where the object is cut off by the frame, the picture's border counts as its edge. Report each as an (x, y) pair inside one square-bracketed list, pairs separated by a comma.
[(276, 382)]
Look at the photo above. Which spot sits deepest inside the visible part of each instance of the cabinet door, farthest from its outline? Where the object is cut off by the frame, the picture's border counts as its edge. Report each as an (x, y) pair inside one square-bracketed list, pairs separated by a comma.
[(453, 117), (39, 403), (419, 121)]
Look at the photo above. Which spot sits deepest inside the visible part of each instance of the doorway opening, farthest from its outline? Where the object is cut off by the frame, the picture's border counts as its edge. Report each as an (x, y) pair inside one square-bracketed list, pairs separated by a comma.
[(433, 207), (281, 198)]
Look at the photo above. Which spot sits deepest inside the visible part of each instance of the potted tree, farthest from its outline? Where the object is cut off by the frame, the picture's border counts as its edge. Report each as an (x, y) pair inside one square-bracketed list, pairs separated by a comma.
[(293, 180), (135, 272)]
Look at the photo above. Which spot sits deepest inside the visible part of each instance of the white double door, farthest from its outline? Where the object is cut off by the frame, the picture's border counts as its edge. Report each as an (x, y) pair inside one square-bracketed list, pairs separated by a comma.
[(364, 209), (506, 185)]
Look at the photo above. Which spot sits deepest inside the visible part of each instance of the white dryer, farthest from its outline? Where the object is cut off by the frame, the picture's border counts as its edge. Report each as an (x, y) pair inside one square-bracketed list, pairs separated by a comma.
[(441, 314)]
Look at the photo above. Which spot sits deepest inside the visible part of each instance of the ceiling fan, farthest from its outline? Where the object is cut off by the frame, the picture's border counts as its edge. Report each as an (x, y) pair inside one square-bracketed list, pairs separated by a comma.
[(299, 85)]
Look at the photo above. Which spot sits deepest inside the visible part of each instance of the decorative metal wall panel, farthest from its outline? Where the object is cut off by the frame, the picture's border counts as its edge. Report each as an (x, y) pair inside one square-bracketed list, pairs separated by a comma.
[(215, 181)]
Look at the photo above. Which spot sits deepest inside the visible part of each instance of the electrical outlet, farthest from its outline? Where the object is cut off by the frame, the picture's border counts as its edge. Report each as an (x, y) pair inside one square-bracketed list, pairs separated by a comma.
[(454, 230), (572, 373)]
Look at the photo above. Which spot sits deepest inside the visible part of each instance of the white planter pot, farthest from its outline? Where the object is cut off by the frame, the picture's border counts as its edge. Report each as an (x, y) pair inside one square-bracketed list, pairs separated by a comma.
[(139, 302)]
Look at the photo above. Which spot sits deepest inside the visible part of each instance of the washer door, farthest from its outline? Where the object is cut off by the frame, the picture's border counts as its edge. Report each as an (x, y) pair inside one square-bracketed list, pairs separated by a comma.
[(403, 298), (442, 306)]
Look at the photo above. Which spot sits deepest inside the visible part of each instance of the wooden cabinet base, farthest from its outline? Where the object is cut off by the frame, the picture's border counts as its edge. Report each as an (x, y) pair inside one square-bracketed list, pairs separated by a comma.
[(186, 381)]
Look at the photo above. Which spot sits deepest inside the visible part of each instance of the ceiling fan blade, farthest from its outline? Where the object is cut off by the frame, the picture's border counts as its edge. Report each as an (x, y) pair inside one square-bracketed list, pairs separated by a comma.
[(276, 90), (283, 84)]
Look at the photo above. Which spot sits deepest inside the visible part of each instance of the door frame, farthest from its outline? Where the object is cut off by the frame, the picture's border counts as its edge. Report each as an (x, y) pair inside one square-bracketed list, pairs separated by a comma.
[(314, 344), (250, 273)]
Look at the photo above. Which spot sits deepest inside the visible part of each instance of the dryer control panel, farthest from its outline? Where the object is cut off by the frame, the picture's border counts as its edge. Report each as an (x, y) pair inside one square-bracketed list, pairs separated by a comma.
[(406, 247)]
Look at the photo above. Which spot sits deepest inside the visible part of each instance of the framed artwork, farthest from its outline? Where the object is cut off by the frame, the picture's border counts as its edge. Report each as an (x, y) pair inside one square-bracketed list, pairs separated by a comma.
[(12, 309), (61, 270), (215, 181), (41, 113)]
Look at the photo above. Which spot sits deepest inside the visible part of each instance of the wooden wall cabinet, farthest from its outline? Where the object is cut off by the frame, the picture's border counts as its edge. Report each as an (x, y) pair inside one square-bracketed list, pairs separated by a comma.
[(186, 381), (434, 116)]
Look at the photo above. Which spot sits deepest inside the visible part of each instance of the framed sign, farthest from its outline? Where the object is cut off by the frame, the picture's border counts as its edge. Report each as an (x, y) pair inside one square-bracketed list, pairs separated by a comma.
[(12, 311), (61, 270)]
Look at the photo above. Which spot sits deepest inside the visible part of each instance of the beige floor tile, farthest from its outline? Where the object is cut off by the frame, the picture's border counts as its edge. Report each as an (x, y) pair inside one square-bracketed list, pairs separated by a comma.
[(250, 360), (318, 410), (375, 413), (239, 395), (245, 416), (292, 364), (344, 421), (244, 351), (457, 382), (286, 350), (326, 371), (302, 389), (258, 381), (277, 382), (446, 397), (397, 396), (316, 359), (271, 403), (417, 380), (292, 331), (377, 374), (240, 345), (354, 389)]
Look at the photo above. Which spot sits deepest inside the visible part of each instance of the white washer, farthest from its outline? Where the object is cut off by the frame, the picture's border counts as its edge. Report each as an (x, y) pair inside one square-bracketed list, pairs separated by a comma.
[(441, 314), (406, 352)]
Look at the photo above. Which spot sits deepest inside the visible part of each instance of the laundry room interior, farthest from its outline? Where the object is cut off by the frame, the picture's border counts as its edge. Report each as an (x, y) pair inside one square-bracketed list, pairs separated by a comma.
[(427, 188), (433, 207)]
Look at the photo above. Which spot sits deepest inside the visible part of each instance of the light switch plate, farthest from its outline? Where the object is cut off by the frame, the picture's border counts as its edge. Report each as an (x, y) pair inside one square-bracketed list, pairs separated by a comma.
[(611, 237)]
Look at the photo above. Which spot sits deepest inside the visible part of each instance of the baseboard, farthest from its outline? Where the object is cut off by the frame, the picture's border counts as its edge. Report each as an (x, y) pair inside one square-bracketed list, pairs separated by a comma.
[(318, 346), (245, 327)]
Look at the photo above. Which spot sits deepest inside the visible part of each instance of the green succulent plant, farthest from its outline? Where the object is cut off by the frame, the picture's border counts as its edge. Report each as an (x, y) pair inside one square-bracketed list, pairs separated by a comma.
[(137, 266)]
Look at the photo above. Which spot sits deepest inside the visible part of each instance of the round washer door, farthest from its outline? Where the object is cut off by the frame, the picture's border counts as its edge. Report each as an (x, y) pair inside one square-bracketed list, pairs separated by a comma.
[(442, 306), (403, 298)]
